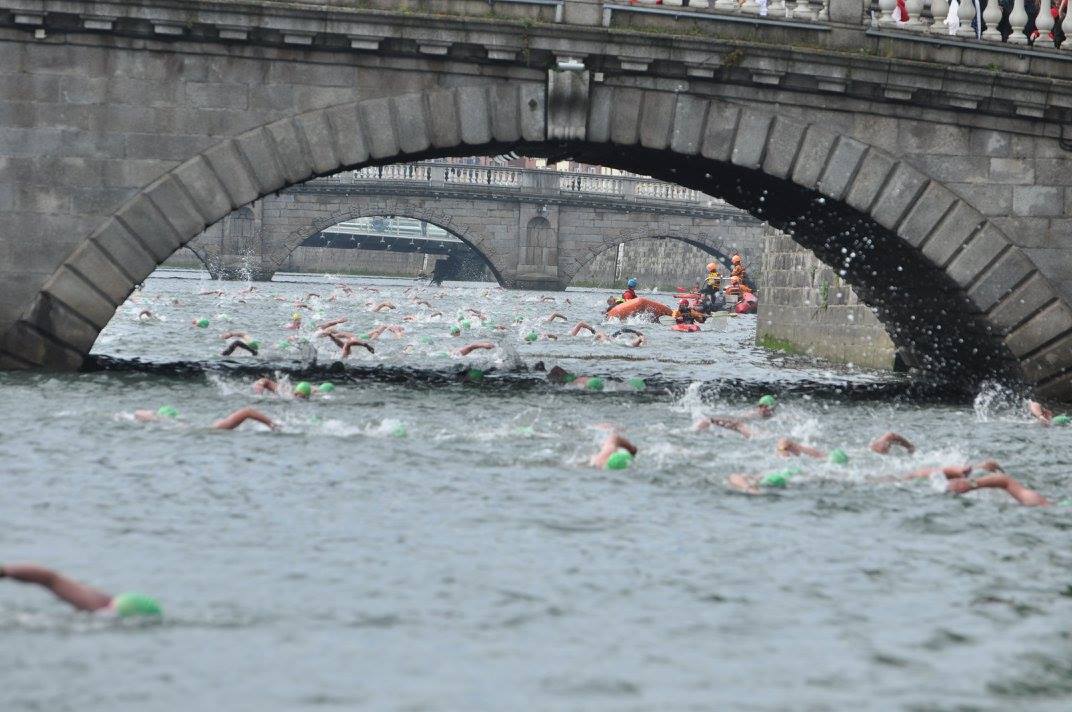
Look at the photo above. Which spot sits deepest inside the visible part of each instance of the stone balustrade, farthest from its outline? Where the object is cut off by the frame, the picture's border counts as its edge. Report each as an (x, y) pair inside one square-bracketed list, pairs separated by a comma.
[(793, 11), (1007, 22), (506, 178)]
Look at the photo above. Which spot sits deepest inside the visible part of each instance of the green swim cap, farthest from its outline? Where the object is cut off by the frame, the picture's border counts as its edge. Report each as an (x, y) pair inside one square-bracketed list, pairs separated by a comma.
[(838, 456), (1061, 420), (255, 345), (638, 384), (569, 378), (167, 411), (776, 479), (1066, 502), (594, 384), (136, 604), (364, 337), (526, 430), (518, 319), (455, 330), (326, 387), (399, 431), (531, 336), (202, 323), (304, 389), (475, 374), (466, 324), (426, 340), (767, 400), (284, 344), (619, 460)]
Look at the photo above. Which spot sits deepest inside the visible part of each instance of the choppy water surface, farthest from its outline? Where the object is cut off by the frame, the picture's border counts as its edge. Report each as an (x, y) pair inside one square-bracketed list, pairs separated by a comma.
[(476, 563)]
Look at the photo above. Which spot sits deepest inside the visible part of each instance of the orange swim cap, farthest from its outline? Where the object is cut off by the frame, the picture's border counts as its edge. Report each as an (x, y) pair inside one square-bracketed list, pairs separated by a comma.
[(712, 267), (736, 259)]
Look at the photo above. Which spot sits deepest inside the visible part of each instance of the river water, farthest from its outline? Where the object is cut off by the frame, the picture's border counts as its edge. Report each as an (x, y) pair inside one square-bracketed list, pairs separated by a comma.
[(417, 542)]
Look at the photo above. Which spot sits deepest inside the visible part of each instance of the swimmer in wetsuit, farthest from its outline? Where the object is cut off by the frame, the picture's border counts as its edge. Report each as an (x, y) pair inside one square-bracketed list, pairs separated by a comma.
[(81, 596)]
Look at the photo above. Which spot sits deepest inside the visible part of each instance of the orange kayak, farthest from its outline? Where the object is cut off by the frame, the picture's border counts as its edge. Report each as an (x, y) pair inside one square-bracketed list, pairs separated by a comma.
[(640, 305), (747, 305)]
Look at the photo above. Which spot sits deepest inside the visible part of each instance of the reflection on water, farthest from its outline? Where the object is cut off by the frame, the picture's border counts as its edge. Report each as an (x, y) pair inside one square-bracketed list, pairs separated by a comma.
[(414, 541)]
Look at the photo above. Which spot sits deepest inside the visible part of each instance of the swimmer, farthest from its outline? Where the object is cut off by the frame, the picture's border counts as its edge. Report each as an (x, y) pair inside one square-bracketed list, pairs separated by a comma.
[(1040, 413), (392, 328), (422, 302), (383, 305), (240, 416), (737, 425), (330, 323), (265, 385), (554, 316), (547, 299), (81, 596), (235, 335), (1016, 490), (302, 305), (311, 294), (475, 346), (213, 292), (295, 322), (787, 447), (636, 342), (251, 347), (585, 326), (882, 444), (348, 345), (613, 444), (478, 314), (146, 315)]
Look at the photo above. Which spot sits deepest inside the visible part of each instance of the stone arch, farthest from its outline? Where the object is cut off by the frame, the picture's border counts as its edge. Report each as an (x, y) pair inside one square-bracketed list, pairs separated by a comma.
[(695, 237), (477, 241), (988, 300)]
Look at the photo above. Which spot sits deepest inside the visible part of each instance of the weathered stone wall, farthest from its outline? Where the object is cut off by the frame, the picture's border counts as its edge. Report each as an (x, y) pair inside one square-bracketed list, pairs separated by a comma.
[(805, 307), (662, 264)]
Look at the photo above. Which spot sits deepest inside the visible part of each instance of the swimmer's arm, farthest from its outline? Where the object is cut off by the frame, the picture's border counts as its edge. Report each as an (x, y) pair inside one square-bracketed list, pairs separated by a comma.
[(240, 416), (79, 595), (738, 426), (1041, 414), (145, 416), (1022, 494), (882, 444), (265, 384), (236, 344), (553, 316), (582, 326), (787, 446), (331, 323), (234, 335), (469, 348)]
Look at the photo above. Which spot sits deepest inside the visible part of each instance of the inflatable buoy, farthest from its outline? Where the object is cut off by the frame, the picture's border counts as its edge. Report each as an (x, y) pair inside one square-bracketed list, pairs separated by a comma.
[(688, 328), (747, 305), (640, 305)]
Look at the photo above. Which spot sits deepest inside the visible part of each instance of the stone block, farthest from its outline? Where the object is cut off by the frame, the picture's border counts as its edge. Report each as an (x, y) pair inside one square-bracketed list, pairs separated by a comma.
[(29, 346), (952, 233), (1038, 200), (751, 138), (918, 137), (237, 180), (81, 298), (320, 141), (625, 116), (54, 318), (783, 143), (474, 115), (953, 169), (976, 256), (349, 139), (294, 160), (124, 250), (505, 120), (926, 214), (378, 125), (176, 207), (1052, 360), (690, 112), (900, 192), (813, 155), (1012, 171), (984, 142), (212, 95), (146, 223), (1000, 280), (258, 149), (1049, 324), (1053, 171), (869, 180), (656, 119), (531, 112), (719, 131), (990, 200), (841, 168)]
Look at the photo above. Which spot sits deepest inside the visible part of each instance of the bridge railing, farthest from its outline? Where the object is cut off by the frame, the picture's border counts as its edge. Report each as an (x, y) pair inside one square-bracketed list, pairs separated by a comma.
[(1042, 25), (518, 179)]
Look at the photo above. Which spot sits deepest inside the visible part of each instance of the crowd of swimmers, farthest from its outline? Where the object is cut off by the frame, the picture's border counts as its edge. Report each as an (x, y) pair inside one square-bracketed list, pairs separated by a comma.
[(616, 451)]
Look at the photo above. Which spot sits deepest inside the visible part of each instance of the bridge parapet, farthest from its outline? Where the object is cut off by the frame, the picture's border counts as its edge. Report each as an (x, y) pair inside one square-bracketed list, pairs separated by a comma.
[(630, 189)]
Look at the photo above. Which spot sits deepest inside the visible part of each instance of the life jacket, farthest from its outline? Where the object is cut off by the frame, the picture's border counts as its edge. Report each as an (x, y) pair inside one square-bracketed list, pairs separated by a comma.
[(713, 280), (738, 271), (629, 294), (684, 316)]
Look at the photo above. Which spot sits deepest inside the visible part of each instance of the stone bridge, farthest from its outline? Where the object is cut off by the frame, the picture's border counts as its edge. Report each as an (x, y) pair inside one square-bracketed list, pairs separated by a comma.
[(535, 229), (932, 170)]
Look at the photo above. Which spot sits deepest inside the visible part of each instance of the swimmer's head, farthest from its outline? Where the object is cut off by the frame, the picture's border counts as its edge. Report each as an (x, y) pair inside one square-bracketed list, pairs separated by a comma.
[(167, 411), (683, 304), (474, 374), (619, 460), (326, 387), (303, 389), (595, 383), (466, 324), (776, 479), (736, 259), (255, 345), (531, 336), (296, 316), (128, 605), (712, 267), (1061, 420), (455, 330), (637, 384), (399, 431), (767, 401), (202, 323), (631, 283), (838, 457)]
